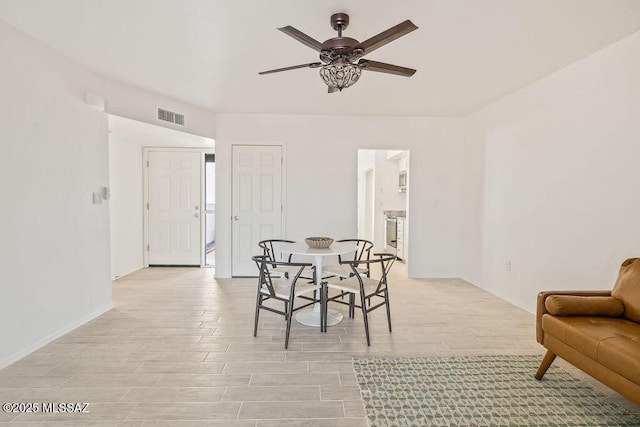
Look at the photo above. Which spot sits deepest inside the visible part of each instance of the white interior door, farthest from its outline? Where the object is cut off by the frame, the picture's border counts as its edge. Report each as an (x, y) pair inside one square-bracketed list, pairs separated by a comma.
[(256, 202), (174, 208)]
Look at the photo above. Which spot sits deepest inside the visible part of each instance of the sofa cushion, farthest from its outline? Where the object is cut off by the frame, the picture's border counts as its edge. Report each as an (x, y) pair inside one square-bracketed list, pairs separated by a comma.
[(613, 342), (573, 305), (581, 333), (627, 288), (620, 354)]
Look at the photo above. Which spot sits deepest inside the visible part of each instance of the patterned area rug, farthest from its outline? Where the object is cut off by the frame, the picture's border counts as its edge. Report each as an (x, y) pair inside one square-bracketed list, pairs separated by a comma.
[(479, 391)]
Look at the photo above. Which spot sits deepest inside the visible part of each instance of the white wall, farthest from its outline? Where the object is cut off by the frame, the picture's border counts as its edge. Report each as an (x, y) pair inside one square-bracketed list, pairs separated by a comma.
[(561, 187), (54, 248), (321, 179), (366, 160)]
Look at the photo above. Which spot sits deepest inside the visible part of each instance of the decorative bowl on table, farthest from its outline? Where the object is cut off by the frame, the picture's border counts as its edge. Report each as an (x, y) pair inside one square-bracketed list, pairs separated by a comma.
[(319, 242)]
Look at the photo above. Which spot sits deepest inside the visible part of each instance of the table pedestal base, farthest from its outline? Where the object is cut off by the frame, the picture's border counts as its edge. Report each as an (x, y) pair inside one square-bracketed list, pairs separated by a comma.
[(311, 316)]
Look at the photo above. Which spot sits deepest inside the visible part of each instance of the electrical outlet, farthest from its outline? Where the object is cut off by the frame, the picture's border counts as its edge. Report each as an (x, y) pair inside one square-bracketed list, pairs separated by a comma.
[(507, 266)]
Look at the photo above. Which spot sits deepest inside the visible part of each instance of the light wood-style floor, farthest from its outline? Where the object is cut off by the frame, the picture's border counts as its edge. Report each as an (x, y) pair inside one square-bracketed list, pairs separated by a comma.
[(178, 349)]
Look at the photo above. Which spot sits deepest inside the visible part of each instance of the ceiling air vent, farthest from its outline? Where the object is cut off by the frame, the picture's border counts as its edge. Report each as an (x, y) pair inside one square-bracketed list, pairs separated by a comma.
[(170, 116)]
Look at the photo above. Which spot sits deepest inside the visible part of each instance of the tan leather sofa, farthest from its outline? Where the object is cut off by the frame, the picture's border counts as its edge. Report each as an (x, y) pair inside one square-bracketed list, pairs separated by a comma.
[(597, 331)]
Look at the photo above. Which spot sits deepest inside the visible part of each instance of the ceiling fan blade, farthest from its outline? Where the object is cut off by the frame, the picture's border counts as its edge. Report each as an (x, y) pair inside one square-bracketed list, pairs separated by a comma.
[(381, 67), (293, 67), (302, 37), (387, 36)]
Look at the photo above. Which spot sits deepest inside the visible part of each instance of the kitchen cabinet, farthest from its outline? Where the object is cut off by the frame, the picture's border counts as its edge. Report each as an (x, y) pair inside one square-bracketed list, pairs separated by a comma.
[(403, 164), (401, 239), (395, 235), (402, 174)]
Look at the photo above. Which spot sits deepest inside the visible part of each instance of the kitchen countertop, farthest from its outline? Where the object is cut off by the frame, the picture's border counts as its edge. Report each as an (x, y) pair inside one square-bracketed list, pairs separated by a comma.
[(401, 214)]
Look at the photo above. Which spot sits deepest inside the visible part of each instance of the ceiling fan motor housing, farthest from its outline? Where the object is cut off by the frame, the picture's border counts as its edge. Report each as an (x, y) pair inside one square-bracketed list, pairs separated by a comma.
[(339, 21), (340, 47)]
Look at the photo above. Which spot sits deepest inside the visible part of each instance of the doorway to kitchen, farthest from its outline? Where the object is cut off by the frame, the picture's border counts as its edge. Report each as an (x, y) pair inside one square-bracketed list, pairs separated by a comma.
[(383, 202)]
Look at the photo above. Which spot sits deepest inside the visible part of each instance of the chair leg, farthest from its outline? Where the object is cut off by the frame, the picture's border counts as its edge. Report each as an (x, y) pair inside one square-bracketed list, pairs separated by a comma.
[(386, 300), (258, 304), (289, 315), (317, 296), (352, 306), (365, 317), (546, 362), (323, 308)]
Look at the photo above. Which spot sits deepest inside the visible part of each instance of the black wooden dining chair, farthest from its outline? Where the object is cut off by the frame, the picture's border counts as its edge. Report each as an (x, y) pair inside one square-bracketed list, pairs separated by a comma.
[(286, 289), (373, 293), (272, 249), (362, 252)]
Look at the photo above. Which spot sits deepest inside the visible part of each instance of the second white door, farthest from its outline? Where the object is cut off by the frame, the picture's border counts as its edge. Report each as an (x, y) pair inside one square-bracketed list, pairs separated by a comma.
[(256, 202), (174, 208)]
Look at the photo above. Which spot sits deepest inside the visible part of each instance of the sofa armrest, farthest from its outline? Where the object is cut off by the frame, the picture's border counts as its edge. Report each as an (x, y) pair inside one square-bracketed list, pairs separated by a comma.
[(541, 309)]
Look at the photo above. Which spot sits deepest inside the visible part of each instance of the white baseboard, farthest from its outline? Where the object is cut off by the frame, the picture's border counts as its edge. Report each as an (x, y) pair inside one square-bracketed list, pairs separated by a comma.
[(120, 276), (46, 340)]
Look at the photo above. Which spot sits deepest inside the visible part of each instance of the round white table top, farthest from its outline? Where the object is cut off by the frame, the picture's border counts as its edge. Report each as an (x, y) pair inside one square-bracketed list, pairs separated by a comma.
[(336, 248)]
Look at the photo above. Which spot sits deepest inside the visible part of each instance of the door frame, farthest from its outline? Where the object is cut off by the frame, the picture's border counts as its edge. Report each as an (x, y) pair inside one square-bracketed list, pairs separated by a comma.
[(145, 196), (283, 165), (367, 213)]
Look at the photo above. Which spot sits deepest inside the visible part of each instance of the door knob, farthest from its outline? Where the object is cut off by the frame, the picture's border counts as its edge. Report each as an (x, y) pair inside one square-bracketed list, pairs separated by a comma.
[(196, 215), (235, 217)]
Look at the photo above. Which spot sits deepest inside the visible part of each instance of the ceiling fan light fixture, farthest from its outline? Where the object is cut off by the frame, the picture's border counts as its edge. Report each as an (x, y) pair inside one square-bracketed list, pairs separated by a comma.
[(340, 75), (340, 57)]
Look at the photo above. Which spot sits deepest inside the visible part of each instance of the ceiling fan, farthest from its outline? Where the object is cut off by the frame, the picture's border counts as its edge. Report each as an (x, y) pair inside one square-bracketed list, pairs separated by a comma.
[(340, 57)]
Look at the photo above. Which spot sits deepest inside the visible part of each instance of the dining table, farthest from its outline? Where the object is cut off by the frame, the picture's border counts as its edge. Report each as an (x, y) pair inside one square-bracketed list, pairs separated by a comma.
[(311, 316)]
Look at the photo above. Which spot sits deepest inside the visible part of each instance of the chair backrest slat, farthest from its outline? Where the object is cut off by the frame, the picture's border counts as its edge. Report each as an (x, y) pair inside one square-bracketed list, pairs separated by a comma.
[(271, 248), (363, 249), (266, 278), (384, 259)]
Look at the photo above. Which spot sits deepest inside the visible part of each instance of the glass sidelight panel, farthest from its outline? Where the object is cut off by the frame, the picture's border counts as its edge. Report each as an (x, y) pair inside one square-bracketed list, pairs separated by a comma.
[(210, 241), (210, 209)]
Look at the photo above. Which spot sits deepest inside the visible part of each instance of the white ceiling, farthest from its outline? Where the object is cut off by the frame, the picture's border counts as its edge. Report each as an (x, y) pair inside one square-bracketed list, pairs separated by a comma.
[(468, 53)]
